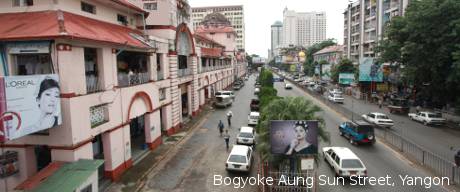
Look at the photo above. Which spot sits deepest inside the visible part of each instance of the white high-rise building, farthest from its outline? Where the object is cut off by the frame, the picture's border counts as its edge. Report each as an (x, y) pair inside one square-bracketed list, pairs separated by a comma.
[(234, 13), (276, 37), (303, 28)]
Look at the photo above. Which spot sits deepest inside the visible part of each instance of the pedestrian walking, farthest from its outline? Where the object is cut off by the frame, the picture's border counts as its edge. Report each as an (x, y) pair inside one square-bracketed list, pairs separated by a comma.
[(229, 118), (220, 127), (226, 138), (380, 103)]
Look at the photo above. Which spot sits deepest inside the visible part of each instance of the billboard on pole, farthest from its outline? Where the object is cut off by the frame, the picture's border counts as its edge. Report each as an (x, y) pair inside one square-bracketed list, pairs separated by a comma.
[(370, 70), (294, 137)]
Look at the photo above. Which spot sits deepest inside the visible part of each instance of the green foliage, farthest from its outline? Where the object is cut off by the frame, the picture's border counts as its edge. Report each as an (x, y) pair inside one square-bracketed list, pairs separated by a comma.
[(427, 42), (286, 108), (309, 66), (266, 78), (345, 66)]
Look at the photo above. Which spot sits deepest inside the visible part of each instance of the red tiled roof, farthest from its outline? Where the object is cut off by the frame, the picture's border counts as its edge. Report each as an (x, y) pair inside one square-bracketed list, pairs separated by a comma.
[(45, 25), (35, 180), (211, 52), (130, 5), (204, 38), (330, 49)]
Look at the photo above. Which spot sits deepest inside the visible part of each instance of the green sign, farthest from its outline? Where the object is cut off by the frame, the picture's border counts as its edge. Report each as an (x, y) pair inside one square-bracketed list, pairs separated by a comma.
[(346, 78)]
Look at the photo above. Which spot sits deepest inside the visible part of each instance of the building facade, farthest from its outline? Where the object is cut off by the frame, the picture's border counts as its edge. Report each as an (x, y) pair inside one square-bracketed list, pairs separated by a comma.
[(276, 38), (303, 28), (127, 73), (331, 56), (364, 25), (235, 14)]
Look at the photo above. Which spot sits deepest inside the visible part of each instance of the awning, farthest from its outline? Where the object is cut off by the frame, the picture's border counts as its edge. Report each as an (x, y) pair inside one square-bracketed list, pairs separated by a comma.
[(61, 24)]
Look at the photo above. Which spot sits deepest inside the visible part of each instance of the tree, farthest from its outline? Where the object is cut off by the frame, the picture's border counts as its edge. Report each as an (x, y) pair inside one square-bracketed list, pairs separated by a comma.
[(309, 67), (286, 108), (345, 66), (426, 41)]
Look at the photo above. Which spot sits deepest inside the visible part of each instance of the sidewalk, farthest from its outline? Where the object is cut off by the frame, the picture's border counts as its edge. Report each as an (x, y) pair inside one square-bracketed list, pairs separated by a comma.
[(133, 177)]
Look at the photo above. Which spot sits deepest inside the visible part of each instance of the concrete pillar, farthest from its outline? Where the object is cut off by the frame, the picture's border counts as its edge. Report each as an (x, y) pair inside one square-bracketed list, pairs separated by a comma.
[(71, 64), (175, 95), (117, 152), (152, 130)]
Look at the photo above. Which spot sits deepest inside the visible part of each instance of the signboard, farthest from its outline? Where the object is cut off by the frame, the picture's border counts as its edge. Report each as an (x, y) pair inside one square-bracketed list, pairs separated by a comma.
[(278, 59), (292, 67), (370, 70), (9, 164), (346, 78), (293, 137), (31, 104)]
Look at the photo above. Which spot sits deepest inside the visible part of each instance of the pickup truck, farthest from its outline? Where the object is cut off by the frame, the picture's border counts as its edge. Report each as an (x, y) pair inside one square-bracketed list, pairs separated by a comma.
[(427, 118)]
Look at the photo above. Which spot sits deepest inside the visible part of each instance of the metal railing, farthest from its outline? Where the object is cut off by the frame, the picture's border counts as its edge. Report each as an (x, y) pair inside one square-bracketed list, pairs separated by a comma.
[(125, 80), (184, 72), (437, 164), (93, 84)]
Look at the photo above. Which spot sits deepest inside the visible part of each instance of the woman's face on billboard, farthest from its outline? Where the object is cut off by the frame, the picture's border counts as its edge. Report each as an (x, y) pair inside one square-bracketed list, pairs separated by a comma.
[(300, 132), (48, 100)]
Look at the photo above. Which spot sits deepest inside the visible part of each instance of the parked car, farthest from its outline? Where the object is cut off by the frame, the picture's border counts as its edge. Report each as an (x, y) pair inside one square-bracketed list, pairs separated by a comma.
[(228, 93), (378, 119), (287, 86), (398, 105), (336, 91), (253, 118), (344, 162), (246, 136), (239, 159), (254, 105), (237, 86), (357, 132), (335, 97), (223, 101), (428, 118)]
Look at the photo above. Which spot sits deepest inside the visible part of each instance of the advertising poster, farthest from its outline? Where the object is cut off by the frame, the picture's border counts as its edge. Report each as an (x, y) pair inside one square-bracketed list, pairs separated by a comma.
[(32, 104), (294, 137), (370, 70), (346, 78)]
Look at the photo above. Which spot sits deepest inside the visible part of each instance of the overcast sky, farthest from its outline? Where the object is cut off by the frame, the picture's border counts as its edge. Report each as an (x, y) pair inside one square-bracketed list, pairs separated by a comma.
[(260, 14)]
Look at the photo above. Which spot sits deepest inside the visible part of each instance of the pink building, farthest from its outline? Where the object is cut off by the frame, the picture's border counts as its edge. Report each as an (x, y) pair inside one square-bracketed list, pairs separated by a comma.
[(129, 72)]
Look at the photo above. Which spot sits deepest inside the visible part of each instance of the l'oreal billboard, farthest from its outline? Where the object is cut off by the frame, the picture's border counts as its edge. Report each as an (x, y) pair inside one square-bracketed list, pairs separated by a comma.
[(29, 104), (293, 137), (370, 70)]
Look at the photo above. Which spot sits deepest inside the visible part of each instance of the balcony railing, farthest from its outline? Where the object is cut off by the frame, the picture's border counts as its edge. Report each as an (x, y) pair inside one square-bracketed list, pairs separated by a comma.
[(213, 68), (93, 84), (125, 80), (184, 72)]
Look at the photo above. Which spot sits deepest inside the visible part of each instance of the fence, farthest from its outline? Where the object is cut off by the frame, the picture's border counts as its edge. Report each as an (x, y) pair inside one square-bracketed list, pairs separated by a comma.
[(440, 166)]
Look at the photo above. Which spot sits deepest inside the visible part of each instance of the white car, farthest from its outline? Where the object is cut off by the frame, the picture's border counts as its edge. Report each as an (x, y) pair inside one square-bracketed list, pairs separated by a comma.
[(246, 136), (288, 86), (336, 98), (253, 118), (239, 159), (428, 118), (256, 90), (344, 162), (229, 93), (379, 119), (335, 91)]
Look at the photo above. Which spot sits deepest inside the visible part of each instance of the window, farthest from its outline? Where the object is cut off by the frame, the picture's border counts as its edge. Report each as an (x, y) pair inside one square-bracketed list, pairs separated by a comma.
[(150, 6), (122, 19), (23, 3), (99, 115), (158, 61), (162, 93), (86, 7)]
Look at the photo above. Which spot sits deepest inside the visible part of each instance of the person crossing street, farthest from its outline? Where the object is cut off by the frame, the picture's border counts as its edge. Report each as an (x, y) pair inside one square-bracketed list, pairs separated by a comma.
[(220, 126), (226, 138), (229, 118)]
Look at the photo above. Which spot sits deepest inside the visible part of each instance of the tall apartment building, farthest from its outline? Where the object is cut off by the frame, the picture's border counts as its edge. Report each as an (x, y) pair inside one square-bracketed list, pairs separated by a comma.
[(303, 28), (364, 25), (276, 37), (235, 14)]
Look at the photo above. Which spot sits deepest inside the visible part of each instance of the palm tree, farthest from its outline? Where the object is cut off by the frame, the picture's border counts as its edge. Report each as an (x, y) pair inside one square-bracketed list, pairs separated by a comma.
[(286, 108)]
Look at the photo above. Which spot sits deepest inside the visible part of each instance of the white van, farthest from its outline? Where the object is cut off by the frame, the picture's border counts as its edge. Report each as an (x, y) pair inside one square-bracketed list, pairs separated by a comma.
[(228, 93), (253, 118), (246, 136), (344, 162), (239, 159), (223, 101)]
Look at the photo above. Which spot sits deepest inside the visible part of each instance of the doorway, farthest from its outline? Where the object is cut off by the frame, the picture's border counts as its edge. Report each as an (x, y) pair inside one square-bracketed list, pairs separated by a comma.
[(137, 135)]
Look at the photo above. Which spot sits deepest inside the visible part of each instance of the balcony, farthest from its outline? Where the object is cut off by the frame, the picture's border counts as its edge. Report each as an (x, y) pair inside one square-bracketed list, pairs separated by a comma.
[(93, 84), (125, 80), (184, 72)]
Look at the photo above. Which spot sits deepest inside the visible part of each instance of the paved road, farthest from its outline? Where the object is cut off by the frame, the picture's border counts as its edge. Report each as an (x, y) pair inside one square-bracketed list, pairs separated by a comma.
[(379, 159), (202, 155)]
